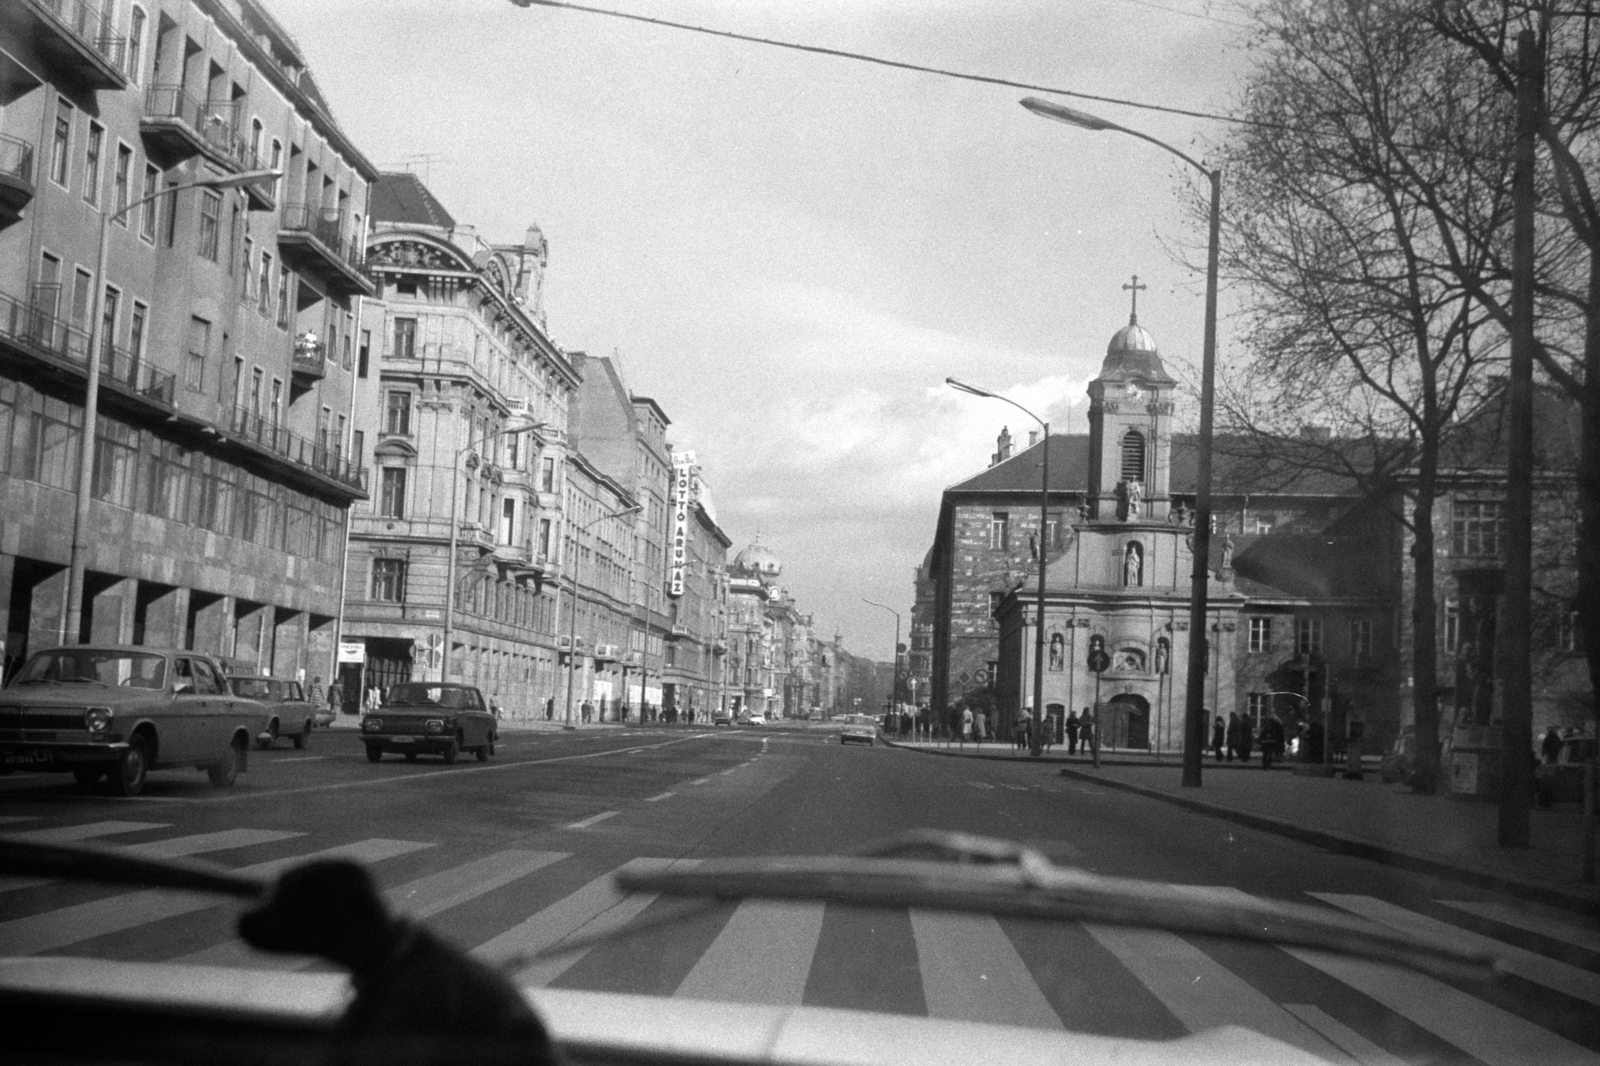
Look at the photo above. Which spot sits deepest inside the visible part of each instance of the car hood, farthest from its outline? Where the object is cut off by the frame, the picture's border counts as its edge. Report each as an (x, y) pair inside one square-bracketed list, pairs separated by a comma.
[(68, 695), (602, 1026)]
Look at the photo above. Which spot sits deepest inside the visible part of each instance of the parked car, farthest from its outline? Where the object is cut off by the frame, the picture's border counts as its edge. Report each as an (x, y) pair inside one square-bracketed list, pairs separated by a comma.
[(858, 729), (104, 711), (289, 713), (721, 717), (1562, 780), (420, 717)]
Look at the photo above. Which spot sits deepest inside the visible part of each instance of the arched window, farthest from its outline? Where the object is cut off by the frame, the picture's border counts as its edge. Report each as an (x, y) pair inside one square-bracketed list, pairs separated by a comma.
[(1133, 456)]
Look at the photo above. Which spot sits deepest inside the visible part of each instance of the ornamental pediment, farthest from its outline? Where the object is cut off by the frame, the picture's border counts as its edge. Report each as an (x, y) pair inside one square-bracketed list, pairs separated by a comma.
[(395, 446), (414, 253)]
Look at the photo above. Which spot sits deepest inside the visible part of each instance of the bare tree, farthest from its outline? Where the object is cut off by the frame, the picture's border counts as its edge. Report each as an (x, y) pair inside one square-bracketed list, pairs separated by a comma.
[(1352, 224)]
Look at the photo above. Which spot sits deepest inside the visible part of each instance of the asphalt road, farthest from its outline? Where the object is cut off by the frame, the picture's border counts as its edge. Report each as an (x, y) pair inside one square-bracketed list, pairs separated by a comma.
[(512, 856)]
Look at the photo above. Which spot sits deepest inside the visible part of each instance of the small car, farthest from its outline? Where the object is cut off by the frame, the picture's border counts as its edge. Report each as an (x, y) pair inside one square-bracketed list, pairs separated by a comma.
[(722, 718), (289, 713), (859, 729), (1562, 780), (430, 717), (114, 712), (753, 719)]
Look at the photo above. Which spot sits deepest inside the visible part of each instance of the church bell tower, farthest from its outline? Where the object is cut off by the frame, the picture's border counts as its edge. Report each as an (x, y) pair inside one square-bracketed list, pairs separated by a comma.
[(1130, 428)]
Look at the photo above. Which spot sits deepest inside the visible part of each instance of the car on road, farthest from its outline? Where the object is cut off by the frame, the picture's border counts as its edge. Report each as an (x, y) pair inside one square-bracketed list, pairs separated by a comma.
[(858, 729), (116, 713), (1562, 780), (753, 719), (721, 717), (289, 713), (430, 718)]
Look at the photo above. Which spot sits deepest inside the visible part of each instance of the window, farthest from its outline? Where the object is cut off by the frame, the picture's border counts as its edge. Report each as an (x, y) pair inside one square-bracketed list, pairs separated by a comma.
[(1307, 636), (344, 340), (109, 306), (264, 288), (257, 379), (238, 380), (81, 289), (136, 328), (277, 401), (1133, 456), (389, 580), (405, 338), (1260, 634), (194, 366), (547, 475), (120, 178), (1476, 527), (136, 22), (255, 142), (1570, 635), (546, 529), (1260, 705), (61, 142), (1361, 637), (324, 427), (147, 214), (210, 214), (364, 353), (392, 502), (338, 441), (283, 297), (358, 445), (247, 291), (999, 531), (1450, 623), (398, 414), (233, 236), (276, 164), (508, 520), (93, 145)]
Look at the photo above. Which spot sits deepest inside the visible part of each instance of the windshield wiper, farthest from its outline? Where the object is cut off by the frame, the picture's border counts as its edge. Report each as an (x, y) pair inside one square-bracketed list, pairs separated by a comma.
[(960, 872)]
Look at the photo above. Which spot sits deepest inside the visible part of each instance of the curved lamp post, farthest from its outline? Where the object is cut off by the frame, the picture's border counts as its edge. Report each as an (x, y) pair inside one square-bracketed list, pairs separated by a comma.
[(894, 683), (1036, 741), (455, 531), (72, 628), (1195, 690), (572, 624)]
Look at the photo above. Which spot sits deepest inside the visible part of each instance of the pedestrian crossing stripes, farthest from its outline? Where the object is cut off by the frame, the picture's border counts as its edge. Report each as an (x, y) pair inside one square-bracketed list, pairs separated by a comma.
[(511, 905)]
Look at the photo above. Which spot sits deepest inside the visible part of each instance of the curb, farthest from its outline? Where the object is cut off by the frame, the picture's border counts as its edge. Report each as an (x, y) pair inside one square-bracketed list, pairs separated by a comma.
[(1067, 760), (1362, 849)]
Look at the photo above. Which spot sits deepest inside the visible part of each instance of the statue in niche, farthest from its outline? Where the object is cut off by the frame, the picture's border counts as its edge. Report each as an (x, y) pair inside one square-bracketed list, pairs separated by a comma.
[(1133, 565), (1163, 654), (1227, 551), (1058, 653)]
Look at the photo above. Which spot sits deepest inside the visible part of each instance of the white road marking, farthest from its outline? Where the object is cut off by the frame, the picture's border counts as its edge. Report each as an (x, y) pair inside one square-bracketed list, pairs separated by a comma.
[(702, 781), (301, 758), (1560, 976), (972, 972), (980, 784), (658, 799), (174, 847), (1565, 932), (592, 819), (763, 955), (71, 925), (67, 834)]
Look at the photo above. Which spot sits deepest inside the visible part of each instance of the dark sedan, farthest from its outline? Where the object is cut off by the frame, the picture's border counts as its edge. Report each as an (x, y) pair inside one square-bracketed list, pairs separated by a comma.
[(422, 717)]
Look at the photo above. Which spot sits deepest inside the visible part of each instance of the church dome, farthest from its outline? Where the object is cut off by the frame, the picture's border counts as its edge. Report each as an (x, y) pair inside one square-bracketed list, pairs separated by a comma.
[(758, 561), (1132, 353)]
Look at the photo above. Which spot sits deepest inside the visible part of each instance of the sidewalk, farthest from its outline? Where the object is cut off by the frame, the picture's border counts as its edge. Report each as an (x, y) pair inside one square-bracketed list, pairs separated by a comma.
[(1437, 835)]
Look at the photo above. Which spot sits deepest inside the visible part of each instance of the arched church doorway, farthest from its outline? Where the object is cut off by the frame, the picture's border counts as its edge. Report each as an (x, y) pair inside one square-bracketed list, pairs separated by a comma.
[(1125, 722)]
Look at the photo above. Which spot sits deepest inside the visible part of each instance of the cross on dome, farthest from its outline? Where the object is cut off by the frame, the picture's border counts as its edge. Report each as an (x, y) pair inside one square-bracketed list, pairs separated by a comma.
[(1133, 316)]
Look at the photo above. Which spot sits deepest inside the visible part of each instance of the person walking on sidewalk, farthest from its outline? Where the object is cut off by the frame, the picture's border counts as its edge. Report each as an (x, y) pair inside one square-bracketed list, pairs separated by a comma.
[(1218, 735), (1247, 738), (1550, 747), (1271, 740), (1073, 726), (335, 699), (966, 725), (1233, 735)]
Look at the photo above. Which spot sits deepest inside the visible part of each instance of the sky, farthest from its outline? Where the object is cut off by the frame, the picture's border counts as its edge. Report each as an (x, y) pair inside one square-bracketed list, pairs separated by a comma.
[(790, 252)]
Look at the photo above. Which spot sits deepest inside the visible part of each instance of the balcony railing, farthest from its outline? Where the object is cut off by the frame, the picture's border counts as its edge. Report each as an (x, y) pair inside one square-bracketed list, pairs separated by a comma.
[(38, 332), (83, 39), (186, 124), (257, 429), (322, 229), (16, 177)]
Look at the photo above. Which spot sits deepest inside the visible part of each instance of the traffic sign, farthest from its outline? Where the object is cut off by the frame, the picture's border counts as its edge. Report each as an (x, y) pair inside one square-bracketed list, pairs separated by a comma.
[(1099, 661)]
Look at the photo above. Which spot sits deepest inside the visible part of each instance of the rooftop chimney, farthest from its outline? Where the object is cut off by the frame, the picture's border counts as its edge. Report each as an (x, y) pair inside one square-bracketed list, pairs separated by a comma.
[(1033, 437), (1002, 446)]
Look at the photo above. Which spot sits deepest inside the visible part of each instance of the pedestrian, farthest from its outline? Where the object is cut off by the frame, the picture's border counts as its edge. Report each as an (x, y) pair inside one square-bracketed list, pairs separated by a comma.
[(1550, 747), (980, 728), (1087, 734), (314, 694), (1073, 725), (966, 725), (494, 706), (1247, 738), (1232, 735), (1219, 730), (335, 699), (374, 698), (1271, 740), (549, 708)]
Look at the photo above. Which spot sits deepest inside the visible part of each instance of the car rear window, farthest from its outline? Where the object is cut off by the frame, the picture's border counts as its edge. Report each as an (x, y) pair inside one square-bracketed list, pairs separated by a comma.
[(418, 694), (251, 688)]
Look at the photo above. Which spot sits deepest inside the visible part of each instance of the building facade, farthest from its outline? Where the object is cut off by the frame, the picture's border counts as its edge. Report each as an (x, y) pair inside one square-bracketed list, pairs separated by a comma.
[(220, 477), (461, 414)]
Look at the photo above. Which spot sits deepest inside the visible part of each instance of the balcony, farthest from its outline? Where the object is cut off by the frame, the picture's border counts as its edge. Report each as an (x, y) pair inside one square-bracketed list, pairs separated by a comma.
[(16, 178), (180, 127), (74, 35), (313, 238), (45, 346), (327, 466), (308, 361)]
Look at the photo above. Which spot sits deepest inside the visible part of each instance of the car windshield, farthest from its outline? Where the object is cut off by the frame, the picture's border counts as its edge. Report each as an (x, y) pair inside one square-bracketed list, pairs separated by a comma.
[(418, 695), (255, 688), (83, 665)]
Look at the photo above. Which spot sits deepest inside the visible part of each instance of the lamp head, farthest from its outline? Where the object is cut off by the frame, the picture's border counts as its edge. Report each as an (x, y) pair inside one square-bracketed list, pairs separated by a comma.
[(1071, 116), (234, 181), (961, 386)]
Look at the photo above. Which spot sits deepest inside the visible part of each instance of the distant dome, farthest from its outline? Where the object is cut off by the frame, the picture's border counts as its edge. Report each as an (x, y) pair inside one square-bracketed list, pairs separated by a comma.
[(758, 561), (1132, 353)]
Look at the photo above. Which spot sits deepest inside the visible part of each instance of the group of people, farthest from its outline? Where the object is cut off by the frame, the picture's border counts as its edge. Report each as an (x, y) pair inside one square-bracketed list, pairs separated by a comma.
[(1236, 738)]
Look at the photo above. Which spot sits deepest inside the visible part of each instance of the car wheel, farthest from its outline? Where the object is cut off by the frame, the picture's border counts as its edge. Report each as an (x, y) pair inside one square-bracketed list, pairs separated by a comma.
[(89, 776), (128, 776), (225, 773), (270, 737), (299, 738), (374, 753), (452, 751), (411, 756), (485, 750)]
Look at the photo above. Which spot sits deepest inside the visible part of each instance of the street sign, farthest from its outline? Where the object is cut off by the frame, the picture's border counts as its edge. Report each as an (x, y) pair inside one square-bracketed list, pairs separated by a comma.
[(353, 651)]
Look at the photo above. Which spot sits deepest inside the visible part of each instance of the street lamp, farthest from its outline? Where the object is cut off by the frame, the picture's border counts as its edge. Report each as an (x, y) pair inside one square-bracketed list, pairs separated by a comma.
[(1195, 690), (894, 682), (1036, 742), (455, 530), (73, 626), (572, 625)]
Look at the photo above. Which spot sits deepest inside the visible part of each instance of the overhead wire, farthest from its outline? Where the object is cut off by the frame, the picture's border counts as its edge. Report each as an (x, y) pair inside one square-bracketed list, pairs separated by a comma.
[(840, 53)]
